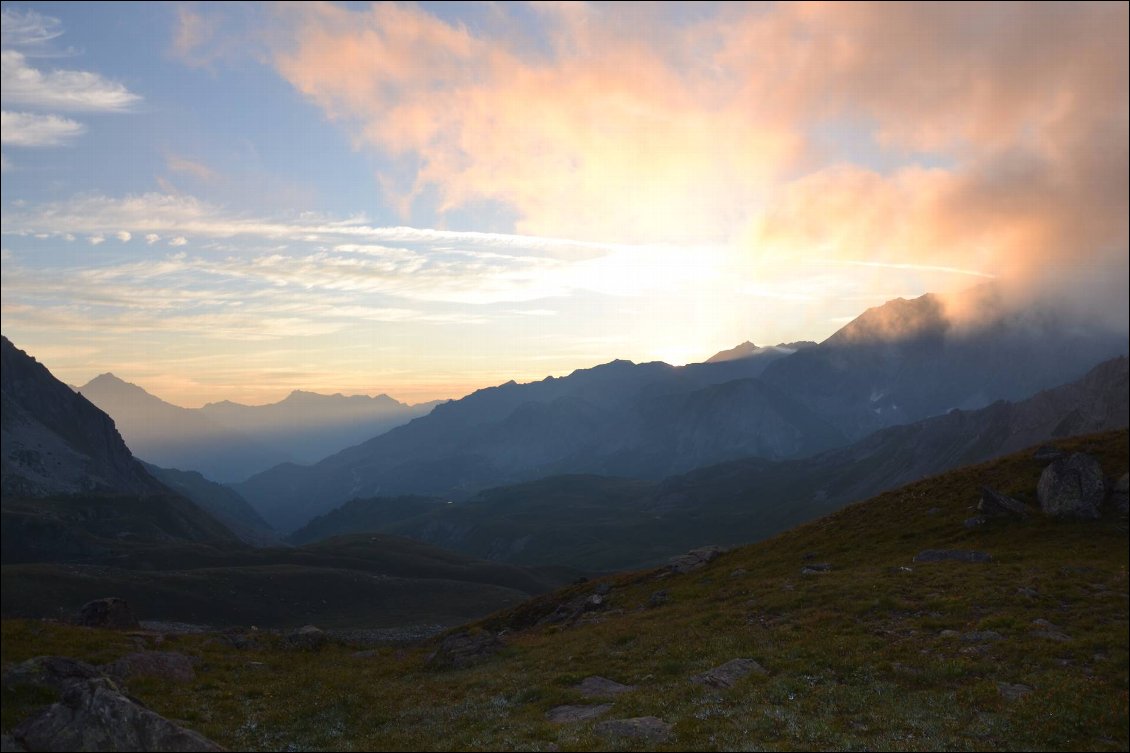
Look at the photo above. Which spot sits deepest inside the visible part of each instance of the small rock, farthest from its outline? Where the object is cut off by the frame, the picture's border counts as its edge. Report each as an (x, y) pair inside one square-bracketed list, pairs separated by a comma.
[(933, 511), (1050, 631), (598, 687), (565, 714), (952, 555), (659, 598), (1047, 453), (975, 522), (1031, 593), (648, 728), (729, 673), (1072, 487), (993, 504), (306, 638), (948, 633), (112, 613), (695, 559), (982, 636), (816, 567), (1010, 691), (167, 665), (738, 572)]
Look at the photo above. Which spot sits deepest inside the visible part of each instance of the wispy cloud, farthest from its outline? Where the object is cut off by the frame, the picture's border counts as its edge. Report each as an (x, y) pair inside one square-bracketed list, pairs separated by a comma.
[(68, 90), (31, 130), (27, 27), (199, 170)]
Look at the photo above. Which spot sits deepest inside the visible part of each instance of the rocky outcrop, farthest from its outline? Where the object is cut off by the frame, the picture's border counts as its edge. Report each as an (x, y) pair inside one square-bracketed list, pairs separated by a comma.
[(92, 714), (1072, 487), (464, 649), (111, 612), (695, 559), (307, 638), (95, 715)]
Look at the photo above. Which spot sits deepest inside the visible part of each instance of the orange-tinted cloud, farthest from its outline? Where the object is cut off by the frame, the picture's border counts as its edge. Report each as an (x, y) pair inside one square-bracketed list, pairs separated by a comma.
[(1009, 121)]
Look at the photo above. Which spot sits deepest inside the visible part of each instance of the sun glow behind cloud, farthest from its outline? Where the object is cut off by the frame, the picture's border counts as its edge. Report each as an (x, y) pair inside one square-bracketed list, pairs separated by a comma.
[(675, 180)]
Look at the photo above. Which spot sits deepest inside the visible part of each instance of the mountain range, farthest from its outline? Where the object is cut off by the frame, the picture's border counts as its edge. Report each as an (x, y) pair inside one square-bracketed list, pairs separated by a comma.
[(606, 523), (227, 441), (895, 364)]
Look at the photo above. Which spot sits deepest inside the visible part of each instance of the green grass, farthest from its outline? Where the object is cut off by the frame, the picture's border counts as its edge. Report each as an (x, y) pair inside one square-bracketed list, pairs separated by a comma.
[(856, 656)]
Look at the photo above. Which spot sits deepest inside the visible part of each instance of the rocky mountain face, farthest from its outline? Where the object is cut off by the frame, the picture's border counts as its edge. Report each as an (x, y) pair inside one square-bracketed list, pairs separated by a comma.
[(57, 442), (71, 489), (229, 442), (895, 364), (911, 359), (601, 522)]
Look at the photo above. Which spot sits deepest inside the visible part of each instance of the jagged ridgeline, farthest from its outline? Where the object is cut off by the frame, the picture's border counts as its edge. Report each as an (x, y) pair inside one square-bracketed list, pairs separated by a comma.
[(892, 623)]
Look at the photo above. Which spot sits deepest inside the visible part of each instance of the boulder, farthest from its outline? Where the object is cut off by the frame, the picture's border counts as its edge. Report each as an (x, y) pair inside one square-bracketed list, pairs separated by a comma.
[(111, 612), (996, 505), (647, 728), (94, 715), (1072, 487), (952, 555), (601, 687), (695, 559), (167, 665), (308, 638), (816, 568), (658, 599), (566, 714), (726, 675)]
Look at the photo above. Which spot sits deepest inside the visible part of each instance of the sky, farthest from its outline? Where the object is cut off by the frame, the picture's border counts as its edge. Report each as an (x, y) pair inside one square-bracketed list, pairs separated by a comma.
[(231, 201)]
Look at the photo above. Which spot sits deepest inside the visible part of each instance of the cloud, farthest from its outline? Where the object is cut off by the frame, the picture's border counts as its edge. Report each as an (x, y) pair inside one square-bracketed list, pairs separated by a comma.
[(990, 139), (96, 240), (123, 235), (180, 240), (79, 91), (5, 165), (198, 170), (27, 129), (151, 238), (27, 27)]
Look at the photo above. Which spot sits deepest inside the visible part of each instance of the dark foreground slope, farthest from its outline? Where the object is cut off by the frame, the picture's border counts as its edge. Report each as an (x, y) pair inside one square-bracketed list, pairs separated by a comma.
[(365, 581), (601, 523), (1026, 651)]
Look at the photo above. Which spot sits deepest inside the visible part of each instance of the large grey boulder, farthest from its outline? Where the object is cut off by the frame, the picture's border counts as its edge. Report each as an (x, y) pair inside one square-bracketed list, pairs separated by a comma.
[(51, 672), (111, 612), (464, 649), (94, 715), (1120, 494), (1072, 487)]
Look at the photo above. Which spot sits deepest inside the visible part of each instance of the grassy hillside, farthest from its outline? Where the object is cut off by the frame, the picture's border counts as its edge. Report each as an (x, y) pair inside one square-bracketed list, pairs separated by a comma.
[(878, 652)]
